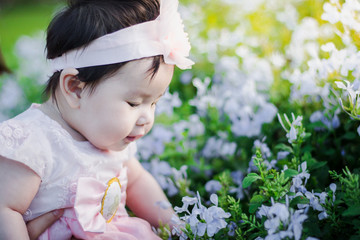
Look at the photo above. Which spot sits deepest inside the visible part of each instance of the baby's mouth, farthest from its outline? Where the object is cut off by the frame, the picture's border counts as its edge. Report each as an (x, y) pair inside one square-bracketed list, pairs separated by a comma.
[(133, 138)]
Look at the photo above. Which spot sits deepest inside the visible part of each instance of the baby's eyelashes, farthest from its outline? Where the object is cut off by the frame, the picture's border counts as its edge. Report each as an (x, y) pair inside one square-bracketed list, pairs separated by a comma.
[(154, 103), (132, 104), (135, 104)]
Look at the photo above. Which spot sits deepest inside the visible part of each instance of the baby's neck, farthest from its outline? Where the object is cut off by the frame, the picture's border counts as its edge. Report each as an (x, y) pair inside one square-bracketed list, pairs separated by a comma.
[(51, 109)]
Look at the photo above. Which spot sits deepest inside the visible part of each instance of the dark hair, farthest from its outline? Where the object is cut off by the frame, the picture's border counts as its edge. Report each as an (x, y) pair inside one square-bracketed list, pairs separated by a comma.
[(85, 20)]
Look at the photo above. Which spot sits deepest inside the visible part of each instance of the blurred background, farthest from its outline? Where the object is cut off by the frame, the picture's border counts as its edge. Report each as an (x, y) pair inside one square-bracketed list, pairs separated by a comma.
[(23, 17)]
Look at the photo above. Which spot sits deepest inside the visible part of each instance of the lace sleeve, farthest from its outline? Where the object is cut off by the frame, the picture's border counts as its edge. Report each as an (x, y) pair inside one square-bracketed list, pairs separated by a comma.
[(21, 143)]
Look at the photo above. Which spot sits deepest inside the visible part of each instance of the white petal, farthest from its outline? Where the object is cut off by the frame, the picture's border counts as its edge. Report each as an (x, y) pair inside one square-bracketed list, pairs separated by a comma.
[(214, 199), (333, 187), (340, 85)]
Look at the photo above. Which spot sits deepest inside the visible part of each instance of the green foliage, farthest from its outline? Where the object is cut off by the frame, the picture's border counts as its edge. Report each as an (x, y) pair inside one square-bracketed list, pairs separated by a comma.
[(22, 19), (350, 192)]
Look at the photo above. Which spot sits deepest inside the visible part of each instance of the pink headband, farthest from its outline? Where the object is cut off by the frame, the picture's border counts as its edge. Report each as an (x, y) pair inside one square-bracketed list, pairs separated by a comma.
[(163, 36)]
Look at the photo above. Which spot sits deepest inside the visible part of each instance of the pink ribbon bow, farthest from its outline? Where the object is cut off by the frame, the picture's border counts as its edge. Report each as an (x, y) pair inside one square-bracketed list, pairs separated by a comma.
[(96, 203)]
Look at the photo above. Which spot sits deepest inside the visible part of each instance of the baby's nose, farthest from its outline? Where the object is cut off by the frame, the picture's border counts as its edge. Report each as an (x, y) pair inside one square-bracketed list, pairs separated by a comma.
[(142, 121), (145, 118)]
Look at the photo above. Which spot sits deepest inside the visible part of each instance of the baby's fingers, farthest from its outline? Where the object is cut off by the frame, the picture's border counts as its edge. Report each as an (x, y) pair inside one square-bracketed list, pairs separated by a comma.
[(38, 225)]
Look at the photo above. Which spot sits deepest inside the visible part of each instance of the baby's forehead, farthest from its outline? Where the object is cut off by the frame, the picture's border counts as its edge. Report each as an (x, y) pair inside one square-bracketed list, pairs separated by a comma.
[(145, 67), (138, 92)]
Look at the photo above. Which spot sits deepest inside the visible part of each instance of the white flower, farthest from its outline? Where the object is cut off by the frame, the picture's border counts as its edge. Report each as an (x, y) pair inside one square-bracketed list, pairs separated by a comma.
[(314, 201), (187, 201), (167, 103), (154, 142), (281, 222), (32, 63), (195, 126), (171, 189), (218, 147), (322, 215), (160, 170), (331, 13), (333, 189), (280, 211), (10, 94), (163, 173), (265, 151), (178, 225), (296, 222), (212, 186), (272, 225), (328, 47), (297, 182), (213, 216), (237, 177), (277, 60), (349, 88), (180, 176), (293, 133), (186, 77), (282, 155)]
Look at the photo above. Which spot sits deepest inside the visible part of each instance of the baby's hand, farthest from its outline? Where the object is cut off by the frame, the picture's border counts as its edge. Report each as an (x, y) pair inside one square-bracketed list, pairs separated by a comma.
[(38, 225)]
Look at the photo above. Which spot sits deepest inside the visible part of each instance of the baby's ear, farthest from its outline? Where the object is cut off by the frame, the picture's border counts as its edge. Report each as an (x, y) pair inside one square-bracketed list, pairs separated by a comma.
[(71, 87)]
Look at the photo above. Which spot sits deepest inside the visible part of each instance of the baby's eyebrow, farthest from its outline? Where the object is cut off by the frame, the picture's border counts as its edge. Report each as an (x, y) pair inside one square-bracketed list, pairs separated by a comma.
[(137, 93)]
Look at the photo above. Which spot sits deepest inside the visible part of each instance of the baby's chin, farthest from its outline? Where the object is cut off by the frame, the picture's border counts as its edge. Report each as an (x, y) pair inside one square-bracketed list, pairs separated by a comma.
[(118, 147)]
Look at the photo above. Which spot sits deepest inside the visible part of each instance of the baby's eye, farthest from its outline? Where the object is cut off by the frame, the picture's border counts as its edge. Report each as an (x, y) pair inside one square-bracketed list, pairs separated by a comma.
[(133, 104)]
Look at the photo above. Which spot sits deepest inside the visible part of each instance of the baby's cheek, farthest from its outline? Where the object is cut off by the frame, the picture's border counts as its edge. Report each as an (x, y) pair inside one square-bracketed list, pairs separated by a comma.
[(103, 138), (149, 127)]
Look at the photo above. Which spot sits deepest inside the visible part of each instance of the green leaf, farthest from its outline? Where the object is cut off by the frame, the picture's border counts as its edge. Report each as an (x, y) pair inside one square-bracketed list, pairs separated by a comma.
[(317, 165), (270, 176), (352, 211), (284, 147), (350, 135), (290, 173), (299, 200), (249, 179), (312, 163), (255, 203)]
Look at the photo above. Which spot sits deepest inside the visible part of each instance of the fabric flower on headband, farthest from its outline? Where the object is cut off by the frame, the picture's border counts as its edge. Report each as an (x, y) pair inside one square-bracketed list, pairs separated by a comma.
[(163, 36), (176, 43)]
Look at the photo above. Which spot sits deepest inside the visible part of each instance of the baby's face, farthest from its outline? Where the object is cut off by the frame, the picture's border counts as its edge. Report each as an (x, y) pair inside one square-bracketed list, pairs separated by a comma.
[(121, 109)]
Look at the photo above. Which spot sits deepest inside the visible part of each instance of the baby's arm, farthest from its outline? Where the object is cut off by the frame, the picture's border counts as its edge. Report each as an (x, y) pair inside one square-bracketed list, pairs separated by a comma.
[(18, 185), (143, 193)]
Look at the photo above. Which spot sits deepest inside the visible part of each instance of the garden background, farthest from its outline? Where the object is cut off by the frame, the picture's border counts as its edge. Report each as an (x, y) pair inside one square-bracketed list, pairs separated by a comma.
[(260, 139)]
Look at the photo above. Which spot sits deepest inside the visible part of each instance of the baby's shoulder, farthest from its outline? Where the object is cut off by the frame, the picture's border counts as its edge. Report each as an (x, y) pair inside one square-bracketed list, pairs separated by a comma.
[(23, 139), (15, 131), (26, 122)]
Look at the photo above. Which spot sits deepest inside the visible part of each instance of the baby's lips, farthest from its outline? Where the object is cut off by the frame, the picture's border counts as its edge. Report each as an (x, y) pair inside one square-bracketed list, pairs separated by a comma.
[(133, 138)]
